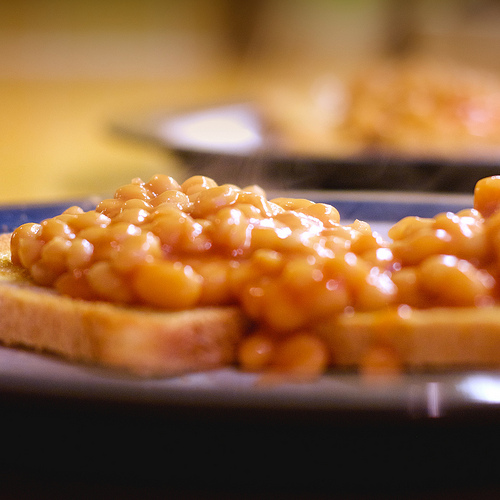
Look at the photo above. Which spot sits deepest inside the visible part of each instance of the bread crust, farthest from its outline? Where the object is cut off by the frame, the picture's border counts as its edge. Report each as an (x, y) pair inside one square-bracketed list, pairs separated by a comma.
[(139, 340)]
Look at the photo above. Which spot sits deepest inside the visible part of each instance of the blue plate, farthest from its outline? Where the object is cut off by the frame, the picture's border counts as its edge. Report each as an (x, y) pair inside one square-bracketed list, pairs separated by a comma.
[(12, 216), (423, 395)]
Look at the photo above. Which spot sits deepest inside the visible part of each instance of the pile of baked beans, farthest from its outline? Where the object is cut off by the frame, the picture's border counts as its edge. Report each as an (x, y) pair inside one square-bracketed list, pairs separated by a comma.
[(288, 263), (424, 107)]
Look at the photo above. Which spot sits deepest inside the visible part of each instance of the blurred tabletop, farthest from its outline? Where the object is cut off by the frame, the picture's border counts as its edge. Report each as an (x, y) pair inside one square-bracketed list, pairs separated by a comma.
[(68, 69), (57, 141)]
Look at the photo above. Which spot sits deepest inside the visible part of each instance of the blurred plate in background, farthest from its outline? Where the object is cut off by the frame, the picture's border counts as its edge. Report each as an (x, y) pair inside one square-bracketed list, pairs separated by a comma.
[(230, 143)]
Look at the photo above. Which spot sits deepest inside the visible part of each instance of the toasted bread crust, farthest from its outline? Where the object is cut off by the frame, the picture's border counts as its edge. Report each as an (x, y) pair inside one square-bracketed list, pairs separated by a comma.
[(138, 340)]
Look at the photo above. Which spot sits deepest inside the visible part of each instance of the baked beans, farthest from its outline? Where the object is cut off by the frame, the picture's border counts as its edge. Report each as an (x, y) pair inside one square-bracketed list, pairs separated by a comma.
[(288, 263)]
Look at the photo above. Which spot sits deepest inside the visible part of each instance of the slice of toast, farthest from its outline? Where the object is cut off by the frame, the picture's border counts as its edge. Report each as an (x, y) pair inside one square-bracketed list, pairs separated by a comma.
[(138, 340), (421, 339)]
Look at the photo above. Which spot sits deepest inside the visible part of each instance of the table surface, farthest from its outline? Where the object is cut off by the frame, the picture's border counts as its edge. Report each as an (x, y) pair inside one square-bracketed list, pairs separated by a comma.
[(56, 139)]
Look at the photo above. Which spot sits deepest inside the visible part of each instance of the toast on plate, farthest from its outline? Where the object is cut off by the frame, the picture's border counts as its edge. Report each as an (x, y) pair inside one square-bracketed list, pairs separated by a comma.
[(167, 278), (139, 340)]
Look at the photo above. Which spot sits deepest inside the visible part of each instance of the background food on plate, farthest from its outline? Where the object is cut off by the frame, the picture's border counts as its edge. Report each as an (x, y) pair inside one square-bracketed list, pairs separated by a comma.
[(416, 107)]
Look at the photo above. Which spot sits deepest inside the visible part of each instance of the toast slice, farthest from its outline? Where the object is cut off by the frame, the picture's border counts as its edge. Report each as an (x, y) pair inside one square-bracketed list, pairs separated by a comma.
[(137, 340), (419, 339)]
